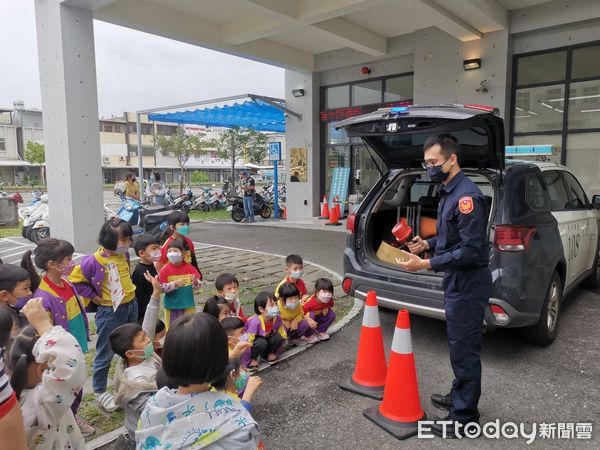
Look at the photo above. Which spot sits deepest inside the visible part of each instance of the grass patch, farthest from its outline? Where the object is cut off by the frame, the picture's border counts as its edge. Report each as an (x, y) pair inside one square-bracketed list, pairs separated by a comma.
[(101, 421), (210, 215), (11, 232)]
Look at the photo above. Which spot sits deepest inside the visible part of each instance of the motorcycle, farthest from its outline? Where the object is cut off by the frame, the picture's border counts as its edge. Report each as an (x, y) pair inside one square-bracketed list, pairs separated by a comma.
[(149, 219), (16, 196), (236, 207), (184, 201), (36, 225)]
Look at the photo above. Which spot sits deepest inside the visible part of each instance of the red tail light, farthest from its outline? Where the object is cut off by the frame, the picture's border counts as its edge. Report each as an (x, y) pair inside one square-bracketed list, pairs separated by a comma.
[(347, 285), (510, 238), (499, 314), (351, 223)]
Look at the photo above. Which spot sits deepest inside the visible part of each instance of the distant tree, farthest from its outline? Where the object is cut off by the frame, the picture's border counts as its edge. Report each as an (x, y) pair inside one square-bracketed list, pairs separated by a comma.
[(182, 146), (199, 177), (237, 143), (35, 153)]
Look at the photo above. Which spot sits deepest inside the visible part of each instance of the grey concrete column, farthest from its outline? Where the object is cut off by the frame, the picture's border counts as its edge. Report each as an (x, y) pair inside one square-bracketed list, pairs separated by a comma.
[(302, 199), (65, 39)]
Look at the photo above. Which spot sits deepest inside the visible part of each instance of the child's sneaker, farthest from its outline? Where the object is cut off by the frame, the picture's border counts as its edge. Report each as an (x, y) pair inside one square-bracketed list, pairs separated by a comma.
[(299, 342), (323, 336), (84, 426), (106, 401), (312, 339)]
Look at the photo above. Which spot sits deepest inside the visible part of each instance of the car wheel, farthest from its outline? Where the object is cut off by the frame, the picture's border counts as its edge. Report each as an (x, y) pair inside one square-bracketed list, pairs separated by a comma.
[(544, 332), (237, 214), (265, 212), (593, 281)]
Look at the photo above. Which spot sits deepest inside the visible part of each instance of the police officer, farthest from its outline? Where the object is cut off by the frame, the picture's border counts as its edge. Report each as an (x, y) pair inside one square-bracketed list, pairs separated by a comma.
[(461, 252)]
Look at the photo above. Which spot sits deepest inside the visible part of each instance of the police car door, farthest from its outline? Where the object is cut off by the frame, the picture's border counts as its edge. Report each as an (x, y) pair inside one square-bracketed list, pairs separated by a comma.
[(568, 223), (588, 224)]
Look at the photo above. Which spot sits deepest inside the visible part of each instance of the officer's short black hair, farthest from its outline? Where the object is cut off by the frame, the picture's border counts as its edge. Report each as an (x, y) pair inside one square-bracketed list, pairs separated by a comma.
[(448, 144), (143, 241), (293, 259)]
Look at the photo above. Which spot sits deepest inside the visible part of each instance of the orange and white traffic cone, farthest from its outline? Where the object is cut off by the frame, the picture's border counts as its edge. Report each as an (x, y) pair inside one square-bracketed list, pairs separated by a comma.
[(334, 216), (400, 411), (370, 370), (324, 208)]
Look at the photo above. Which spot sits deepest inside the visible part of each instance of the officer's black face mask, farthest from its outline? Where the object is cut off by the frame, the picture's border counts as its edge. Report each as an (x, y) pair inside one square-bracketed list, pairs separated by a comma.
[(436, 174)]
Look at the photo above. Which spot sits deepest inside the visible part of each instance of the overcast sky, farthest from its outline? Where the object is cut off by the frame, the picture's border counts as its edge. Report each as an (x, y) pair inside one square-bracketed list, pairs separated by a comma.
[(134, 70)]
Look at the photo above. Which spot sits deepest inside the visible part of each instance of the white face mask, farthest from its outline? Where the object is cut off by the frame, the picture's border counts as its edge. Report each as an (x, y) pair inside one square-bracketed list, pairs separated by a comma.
[(297, 274), (155, 255), (325, 297), (161, 342), (291, 304), (175, 257), (230, 296)]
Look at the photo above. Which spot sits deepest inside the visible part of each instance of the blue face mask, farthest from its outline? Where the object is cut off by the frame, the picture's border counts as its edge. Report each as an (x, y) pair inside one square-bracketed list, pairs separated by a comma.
[(273, 311), (184, 230), (122, 249), (436, 174)]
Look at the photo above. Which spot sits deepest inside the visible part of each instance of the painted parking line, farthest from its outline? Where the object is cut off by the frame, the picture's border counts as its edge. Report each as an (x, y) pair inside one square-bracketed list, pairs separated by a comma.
[(13, 249)]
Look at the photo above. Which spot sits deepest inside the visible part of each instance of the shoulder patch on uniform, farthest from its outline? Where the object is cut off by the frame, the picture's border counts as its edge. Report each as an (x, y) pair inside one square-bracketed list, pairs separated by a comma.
[(465, 205)]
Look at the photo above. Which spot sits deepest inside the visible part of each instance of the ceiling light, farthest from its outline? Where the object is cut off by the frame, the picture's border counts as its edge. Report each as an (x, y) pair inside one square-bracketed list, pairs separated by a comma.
[(472, 64)]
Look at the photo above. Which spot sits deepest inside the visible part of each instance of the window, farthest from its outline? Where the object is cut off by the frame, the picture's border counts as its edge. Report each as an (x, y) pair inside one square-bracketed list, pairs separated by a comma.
[(108, 128), (166, 130), (117, 128), (578, 199), (335, 136), (586, 62), (367, 93), (539, 109), (535, 195), (559, 199), (542, 68), (584, 160), (2, 145), (337, 97), (132, 127), (398, 89), (584, 105)]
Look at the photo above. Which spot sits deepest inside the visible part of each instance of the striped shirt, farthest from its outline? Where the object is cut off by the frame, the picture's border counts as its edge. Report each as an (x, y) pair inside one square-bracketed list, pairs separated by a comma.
[(8, 398)]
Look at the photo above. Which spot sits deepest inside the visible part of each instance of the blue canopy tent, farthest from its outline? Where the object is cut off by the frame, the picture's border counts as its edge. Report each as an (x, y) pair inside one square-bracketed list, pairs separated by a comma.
[(252, 112)]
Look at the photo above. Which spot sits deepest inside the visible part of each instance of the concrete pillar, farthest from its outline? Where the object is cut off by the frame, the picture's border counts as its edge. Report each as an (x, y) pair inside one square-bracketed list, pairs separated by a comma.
[(302, 199), (65, 39)]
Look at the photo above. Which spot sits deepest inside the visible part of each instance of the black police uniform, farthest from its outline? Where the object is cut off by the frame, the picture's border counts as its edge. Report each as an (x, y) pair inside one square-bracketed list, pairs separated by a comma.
[(461, 251)]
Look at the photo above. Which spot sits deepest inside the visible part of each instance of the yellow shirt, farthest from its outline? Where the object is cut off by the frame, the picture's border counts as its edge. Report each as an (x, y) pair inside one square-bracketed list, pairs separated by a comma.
[(132, 188), (290, 314), (128, 287)]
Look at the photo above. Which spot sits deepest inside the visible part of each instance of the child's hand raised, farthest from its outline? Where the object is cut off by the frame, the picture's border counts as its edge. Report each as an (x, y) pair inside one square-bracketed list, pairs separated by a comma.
[(37, 316), (254, 383)]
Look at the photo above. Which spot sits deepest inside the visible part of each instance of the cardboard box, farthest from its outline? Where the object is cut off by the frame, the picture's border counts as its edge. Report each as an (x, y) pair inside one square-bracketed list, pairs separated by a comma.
[(389, 254)]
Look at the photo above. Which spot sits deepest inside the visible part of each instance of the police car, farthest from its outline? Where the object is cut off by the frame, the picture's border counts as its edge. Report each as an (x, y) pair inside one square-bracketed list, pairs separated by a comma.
[(543, 230)]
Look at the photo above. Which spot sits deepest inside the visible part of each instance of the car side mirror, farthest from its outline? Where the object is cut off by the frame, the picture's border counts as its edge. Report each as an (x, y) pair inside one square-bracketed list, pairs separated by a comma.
[(596, 201)]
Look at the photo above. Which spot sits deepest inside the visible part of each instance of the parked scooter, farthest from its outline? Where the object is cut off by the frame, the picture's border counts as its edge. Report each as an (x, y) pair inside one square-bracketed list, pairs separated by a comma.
[(149, 219), (16, 196), (35, 221), (184, 201), (236, 207)]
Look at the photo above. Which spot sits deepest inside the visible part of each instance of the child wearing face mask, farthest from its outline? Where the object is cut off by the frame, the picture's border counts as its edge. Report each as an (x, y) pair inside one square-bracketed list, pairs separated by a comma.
[(15, 287), (265, 331), (179, 279), (237, 383), (179, 228), (292, 316), (228, 287), (147, 248), (47, 369), (55, 258), (138, 365), (294, 266), (318, 308)]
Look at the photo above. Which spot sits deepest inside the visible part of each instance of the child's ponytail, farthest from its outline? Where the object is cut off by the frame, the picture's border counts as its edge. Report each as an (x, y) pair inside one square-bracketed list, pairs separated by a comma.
[(20, 356), (27, 264)]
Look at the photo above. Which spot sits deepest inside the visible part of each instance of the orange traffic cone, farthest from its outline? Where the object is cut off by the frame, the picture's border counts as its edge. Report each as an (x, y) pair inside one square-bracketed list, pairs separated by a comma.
[(368, 378), (324, 208), (334, 215), (285, 213), (401, 410)]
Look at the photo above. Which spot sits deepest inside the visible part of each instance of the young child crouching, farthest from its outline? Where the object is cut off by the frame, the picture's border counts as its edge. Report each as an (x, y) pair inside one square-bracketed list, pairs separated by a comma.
[(292, 316), (318, 308)]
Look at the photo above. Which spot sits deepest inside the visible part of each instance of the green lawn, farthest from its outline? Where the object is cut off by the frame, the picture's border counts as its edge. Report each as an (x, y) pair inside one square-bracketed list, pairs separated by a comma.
[(8, 232), (211, 215)]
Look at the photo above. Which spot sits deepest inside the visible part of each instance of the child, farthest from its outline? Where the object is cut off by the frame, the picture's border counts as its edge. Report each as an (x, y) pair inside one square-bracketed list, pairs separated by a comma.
[(55, 258), (160, 332), (217, 307), (135, 373), (193, 416), (103, 280), (179, 279), (318, 308), (292, 316), (265, 331), (236, 339), (179, 228), (295, 269), (237, 381), (47, 370), (228, 287), (15, 286), (147, 248)]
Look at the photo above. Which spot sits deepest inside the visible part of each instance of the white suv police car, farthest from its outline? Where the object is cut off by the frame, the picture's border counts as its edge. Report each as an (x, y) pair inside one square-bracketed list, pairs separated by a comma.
[(543, 230)]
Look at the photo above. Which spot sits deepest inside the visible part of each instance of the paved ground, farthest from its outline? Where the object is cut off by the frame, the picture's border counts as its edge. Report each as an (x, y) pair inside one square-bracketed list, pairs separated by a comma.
[(301, 406)]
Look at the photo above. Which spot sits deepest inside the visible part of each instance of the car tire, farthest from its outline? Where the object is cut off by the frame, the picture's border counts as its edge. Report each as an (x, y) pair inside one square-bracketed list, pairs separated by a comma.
[(593, 281), (544, 332)]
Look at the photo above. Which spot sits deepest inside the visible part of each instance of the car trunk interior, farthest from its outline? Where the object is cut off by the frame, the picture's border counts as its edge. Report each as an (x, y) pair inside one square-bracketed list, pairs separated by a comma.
[(412, 198)]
